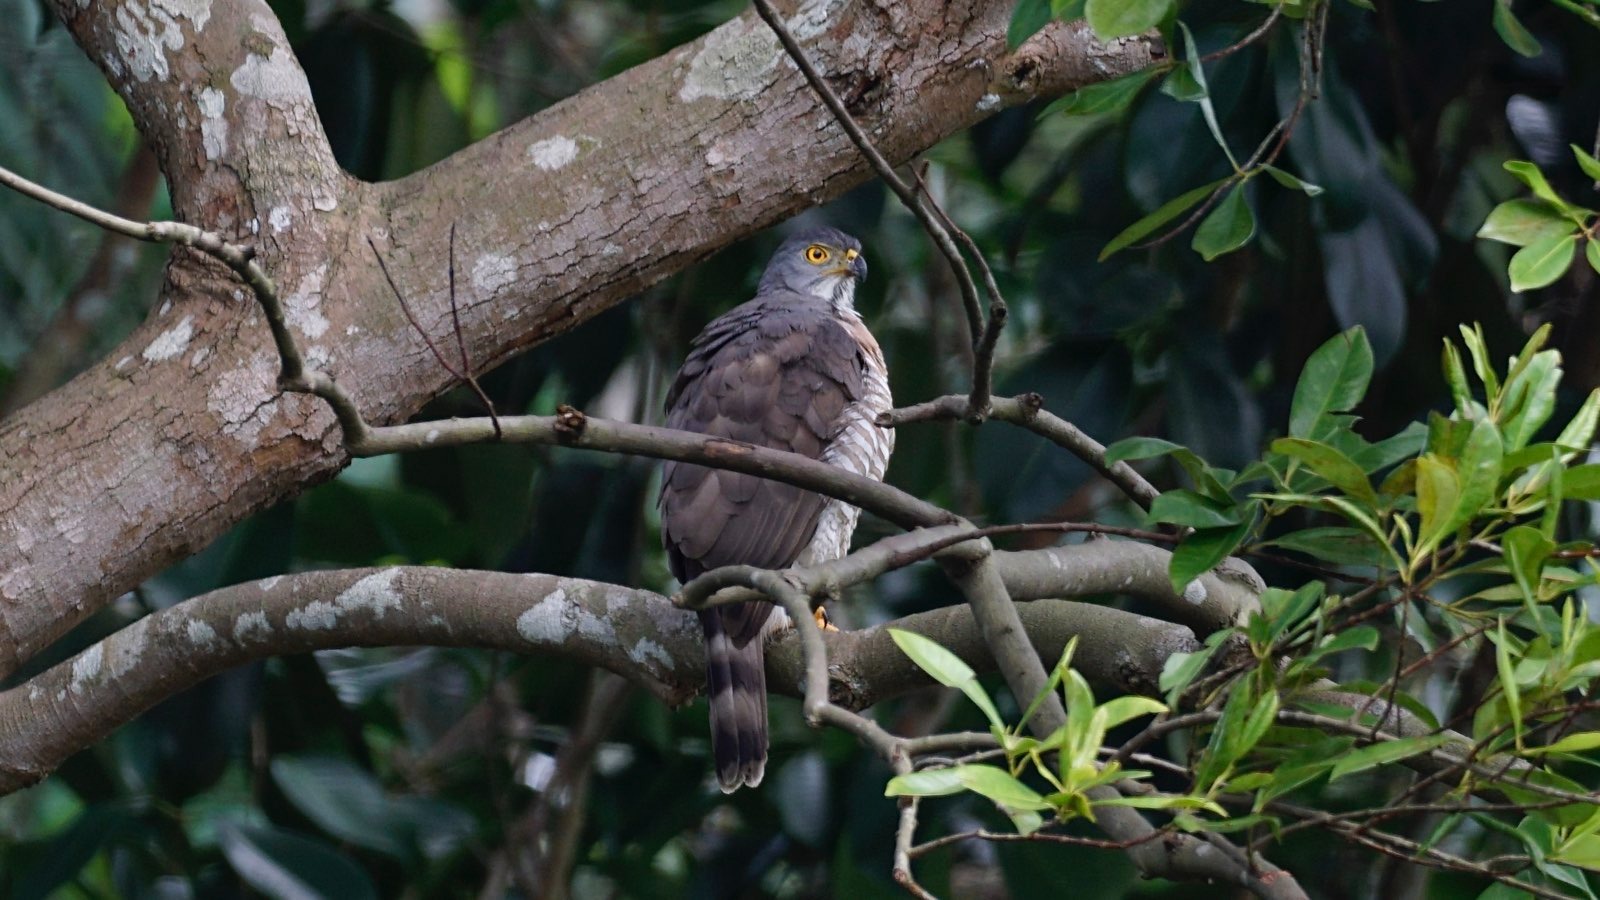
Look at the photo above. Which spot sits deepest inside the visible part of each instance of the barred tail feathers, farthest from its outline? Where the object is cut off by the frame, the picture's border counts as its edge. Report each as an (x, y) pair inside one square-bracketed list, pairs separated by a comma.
[(736, 686)]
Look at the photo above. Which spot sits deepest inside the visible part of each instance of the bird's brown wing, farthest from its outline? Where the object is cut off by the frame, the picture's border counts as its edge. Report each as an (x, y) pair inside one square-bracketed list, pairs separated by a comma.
[(771, 374)]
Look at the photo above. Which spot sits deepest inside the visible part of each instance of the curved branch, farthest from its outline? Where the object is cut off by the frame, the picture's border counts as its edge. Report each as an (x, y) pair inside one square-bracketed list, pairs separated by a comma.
[(637, 634), (591, 200)]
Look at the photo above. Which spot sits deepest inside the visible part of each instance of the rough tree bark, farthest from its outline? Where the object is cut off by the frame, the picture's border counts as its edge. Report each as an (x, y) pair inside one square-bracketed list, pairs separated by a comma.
[(181, 432)]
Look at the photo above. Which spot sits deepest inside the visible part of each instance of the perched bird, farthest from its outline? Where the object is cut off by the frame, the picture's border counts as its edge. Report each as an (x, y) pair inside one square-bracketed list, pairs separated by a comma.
[(793, 369)]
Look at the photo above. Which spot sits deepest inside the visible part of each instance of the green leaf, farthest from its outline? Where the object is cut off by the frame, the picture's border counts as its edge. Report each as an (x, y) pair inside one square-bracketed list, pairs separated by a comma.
[(1529, 397), (947, 669), (1361, 637), (1455, 374), (1285, 609), (1120, 18), (1292, 182), (1508, 681), (1185, 507), (1526, 549), (1512, 31), (1438, 497), (1579, 432), (1409, 442), (1478, 349), (1226, 228), (1580, 742), (1591, 252), (1334, 543), (1581, 482), (1101, 97), (1182, 86), (1383, 753), (1261, 718), (1164, 801), (1529, 174), (1056, 674), (286, 866), (1129, 707), (1066, 10), (1202, 549), (342, 799), (1206, 479), (1196, 69), (925, 783), (1335, 379), (1521, 222), (1181, 669), (1479, 470), (1225, 826), (1589, 165), (1542, 262), (1165, 213), (998, 785), (1326, 461), (1026, 19)]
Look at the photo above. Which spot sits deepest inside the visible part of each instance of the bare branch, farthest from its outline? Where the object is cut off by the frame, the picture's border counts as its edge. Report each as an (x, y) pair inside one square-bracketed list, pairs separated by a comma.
[(1028, 412)]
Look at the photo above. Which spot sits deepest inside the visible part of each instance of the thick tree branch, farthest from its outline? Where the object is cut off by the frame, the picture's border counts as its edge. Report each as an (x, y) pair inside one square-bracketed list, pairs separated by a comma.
[(615, 188), (637, 634)]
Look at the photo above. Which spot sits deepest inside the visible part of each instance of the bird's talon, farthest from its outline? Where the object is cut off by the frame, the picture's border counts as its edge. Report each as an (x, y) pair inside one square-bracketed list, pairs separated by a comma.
[(823, 622)]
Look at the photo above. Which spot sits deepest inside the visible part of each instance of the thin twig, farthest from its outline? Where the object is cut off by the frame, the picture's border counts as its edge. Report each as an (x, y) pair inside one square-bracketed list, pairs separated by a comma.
[(983, 348), (461, 341), (934, 223), (1027, 411), (1247, 40)]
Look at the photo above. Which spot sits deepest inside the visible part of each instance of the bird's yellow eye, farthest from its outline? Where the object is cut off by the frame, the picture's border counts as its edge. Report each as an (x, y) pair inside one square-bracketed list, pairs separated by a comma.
[(817, 254)]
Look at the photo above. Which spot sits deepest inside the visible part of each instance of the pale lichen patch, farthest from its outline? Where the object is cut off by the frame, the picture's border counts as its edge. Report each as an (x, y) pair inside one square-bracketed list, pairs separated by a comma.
[(988, 103), (650, 655), (279, 218), (171, 342), (127, 647), (213, 127), (245, 399), (87, 666), (144, 34), (558, 617), (250, 626), (314, 616), (813, 18), (734, 63), (375, 593), (200, 634), (274, 78), (541, 623), (553, 153), (301, 308), (491, 272), (1195, 592)]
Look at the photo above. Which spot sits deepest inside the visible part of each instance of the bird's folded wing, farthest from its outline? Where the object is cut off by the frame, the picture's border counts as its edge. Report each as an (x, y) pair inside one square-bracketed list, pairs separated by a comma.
[(771, 376)]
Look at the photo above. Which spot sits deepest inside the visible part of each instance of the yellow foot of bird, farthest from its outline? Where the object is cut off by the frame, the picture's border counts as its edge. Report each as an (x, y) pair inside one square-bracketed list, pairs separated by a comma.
[(823, 622)]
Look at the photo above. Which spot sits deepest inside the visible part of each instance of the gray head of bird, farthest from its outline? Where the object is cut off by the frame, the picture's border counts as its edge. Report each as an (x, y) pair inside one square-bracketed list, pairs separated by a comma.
[(823, 262)]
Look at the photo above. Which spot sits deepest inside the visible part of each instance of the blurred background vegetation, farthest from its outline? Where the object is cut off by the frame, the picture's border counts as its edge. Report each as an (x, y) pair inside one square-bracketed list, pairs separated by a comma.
[(447, 773)]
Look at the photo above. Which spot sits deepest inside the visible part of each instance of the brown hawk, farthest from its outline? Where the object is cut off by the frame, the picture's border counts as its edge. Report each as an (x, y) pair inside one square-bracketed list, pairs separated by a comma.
[(793, 369)]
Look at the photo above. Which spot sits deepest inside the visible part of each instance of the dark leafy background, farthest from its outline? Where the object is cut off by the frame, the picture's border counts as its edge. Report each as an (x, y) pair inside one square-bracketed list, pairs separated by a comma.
[(421, 772)]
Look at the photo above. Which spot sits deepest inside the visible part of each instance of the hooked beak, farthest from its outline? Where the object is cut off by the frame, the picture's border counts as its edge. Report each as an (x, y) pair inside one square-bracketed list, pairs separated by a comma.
[(858, 264)]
